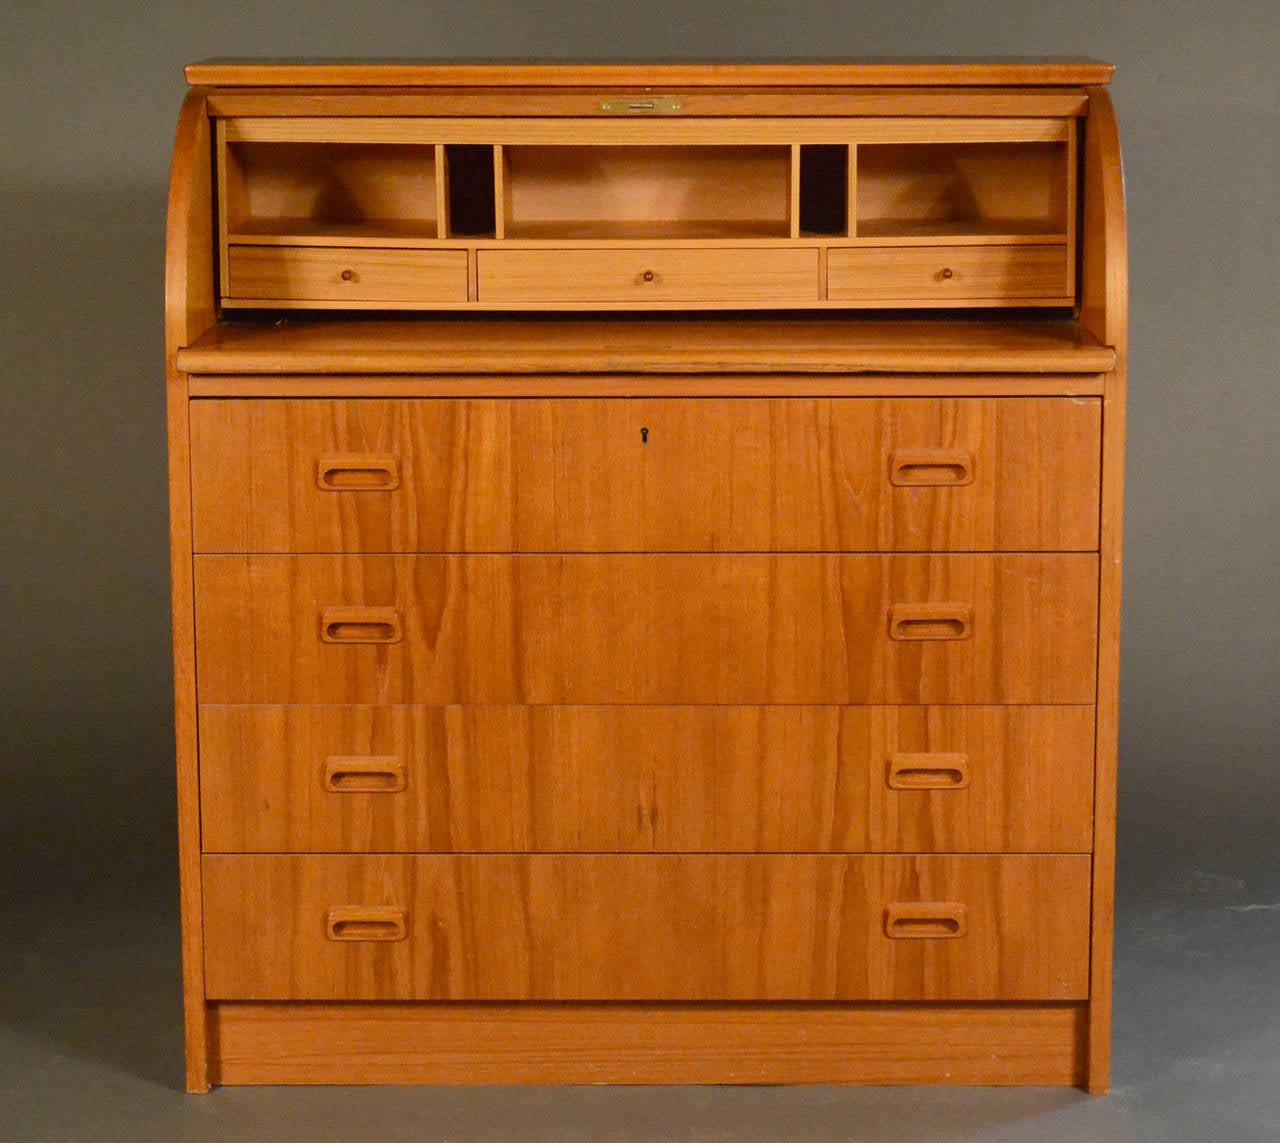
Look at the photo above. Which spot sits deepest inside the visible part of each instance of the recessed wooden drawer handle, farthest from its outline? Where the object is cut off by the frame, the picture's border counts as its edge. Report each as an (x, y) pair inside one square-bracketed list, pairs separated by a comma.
[(930, 467), (924, 920), (360, 625), (358, 472), (365, 923), (928, 771), (363, 775), (930, 621)]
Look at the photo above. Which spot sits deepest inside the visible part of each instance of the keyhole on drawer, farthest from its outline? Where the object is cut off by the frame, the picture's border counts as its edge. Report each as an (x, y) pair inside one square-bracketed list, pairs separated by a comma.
[(644, 436)]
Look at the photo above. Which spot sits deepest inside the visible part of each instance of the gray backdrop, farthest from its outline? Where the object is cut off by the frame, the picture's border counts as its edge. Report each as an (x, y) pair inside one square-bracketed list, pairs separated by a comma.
[(90, 92)]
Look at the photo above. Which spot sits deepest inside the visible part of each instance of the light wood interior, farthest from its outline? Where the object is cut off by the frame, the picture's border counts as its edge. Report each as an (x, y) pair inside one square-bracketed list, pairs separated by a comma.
[(941, 190), (647, 192), (813, 186), (283, 191)]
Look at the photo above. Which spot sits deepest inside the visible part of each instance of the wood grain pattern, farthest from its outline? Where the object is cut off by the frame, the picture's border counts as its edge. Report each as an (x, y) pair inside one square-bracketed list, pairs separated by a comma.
[(646, 927), (641, 277), (1105, 309), (642, 778), (647, 629), (842, 345), (650, 1043), (189, 278), (663, 475), (402, 73)]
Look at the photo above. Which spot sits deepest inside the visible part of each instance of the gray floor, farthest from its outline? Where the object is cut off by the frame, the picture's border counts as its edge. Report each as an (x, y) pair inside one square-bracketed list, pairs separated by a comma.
[(90, 1046)]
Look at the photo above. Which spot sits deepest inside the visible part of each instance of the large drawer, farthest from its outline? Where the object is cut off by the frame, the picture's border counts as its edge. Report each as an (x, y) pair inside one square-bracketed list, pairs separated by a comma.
[(599, 475), (944, 275), (646, 629), (646, 927), (647, 277), (338, 275), (563, 779)]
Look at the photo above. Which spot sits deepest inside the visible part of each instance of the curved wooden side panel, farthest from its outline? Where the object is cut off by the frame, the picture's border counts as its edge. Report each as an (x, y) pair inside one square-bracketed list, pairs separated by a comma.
[(1105, 312), (1104, 286), (189, 311), (189, 285)]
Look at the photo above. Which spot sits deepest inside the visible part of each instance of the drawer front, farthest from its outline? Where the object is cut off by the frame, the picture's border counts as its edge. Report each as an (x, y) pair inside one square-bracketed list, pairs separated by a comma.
[(646, 629), (646, 927), (563, 779), (646, 277), (600, 475), (943, 274), (338, 275)]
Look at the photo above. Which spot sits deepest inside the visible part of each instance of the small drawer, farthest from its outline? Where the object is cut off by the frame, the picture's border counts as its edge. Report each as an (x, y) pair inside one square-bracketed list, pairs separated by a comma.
[(339, 275), (929, 275), (645, 277), (694, 927)]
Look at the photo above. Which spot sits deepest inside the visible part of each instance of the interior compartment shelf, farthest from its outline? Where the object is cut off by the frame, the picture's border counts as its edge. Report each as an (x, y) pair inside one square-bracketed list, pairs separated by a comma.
[(334, 190), (643, 191), (945, 190), (1000, 187)]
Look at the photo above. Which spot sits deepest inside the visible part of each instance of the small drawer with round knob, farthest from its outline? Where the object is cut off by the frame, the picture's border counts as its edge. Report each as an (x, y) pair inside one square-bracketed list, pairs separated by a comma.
[(336, 277), (949, 275), (649, 277)]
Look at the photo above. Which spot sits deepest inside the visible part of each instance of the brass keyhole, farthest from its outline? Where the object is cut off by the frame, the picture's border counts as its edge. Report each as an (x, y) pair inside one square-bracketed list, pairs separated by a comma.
[(644, 436)]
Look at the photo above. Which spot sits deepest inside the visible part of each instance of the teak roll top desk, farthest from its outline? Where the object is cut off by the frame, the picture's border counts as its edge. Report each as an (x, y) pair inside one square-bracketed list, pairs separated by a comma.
[(646, 571)]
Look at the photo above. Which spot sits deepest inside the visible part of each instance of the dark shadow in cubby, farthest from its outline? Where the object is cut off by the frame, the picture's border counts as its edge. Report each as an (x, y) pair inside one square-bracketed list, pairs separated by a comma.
[(471, 191), (824, 189)]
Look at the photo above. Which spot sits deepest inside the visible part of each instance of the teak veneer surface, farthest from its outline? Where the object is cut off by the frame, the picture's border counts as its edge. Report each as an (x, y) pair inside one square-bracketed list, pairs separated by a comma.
[(695, 101), (560, 345), (518, 73), (561, 1042), (648, 927), (644, 778), (675, 474), (648, 629)]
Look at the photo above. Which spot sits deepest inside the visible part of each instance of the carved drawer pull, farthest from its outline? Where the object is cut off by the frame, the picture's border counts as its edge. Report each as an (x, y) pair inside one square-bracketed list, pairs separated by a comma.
[(363, 775), (924, 920), (366, 923), (358, 472), (930, 621), (360, 625), (928, 771), (930, 468)]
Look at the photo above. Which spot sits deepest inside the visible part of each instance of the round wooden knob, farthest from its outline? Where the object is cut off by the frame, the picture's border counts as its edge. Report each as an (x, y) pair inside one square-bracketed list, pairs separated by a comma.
[(350, 275), (647, 276), (947, 272)]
